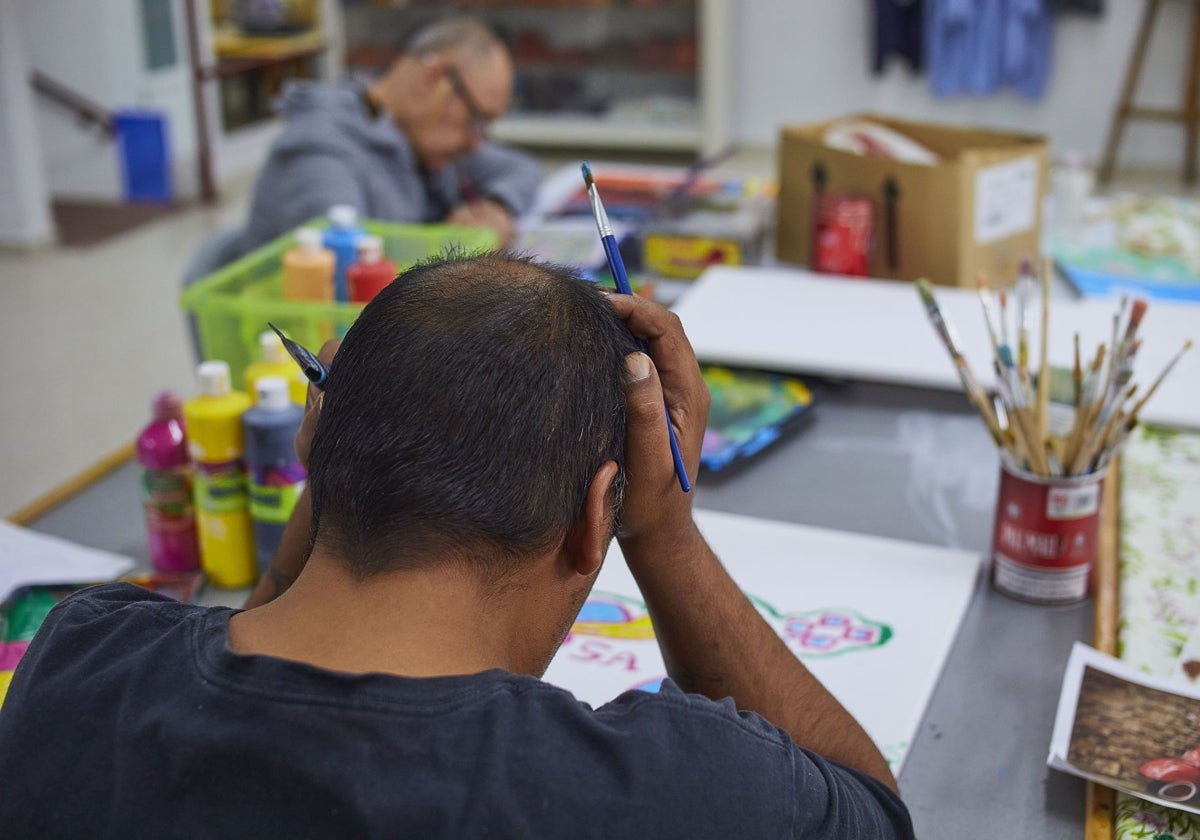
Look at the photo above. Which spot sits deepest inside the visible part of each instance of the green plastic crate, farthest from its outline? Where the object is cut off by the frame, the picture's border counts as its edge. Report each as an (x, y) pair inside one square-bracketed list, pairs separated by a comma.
[(233, 305)]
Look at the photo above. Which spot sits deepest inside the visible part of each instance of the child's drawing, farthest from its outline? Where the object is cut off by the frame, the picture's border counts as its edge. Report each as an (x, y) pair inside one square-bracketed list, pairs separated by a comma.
[(819, 632)]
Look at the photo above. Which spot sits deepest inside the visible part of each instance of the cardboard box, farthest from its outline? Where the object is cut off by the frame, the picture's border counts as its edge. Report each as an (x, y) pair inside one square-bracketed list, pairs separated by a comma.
[(978, 210)]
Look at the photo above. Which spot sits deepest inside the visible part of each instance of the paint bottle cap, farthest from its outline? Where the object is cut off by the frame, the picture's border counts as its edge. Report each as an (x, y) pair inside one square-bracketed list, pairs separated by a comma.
[(167, 406), (272, 348), (213, 378), (343, 215), (370, 249), (272, 392), (308, 239)]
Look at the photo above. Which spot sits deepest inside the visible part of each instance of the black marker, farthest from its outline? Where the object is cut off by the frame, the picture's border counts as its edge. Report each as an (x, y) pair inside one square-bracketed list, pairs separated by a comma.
[(313, 370)]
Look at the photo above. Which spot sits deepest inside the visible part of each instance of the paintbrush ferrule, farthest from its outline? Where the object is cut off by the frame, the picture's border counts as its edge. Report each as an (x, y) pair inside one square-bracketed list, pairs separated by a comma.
[(598, 213)]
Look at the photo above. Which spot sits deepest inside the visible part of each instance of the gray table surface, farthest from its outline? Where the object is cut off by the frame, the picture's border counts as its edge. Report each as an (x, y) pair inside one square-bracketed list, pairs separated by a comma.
[(895, 462)]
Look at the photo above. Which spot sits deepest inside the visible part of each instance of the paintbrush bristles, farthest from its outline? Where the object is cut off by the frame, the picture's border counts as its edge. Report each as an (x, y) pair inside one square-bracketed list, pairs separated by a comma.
[(1101, 394)]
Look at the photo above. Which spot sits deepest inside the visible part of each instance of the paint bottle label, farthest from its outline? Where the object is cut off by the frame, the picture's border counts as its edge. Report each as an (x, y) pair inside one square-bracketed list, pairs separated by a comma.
[(274, 492), (167, 498), (221, 487)]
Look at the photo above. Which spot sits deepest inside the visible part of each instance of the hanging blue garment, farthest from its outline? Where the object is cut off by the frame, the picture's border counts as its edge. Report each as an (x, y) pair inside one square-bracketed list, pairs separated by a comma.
[(977, 47), (1028, 31), (963, 46)]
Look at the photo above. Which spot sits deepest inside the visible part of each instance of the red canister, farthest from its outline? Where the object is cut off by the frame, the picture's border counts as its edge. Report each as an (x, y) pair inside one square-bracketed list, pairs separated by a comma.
[(843, 226), (1046, 536)]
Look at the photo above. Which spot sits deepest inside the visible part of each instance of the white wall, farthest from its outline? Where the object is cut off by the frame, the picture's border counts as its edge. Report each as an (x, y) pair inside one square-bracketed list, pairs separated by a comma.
[(96, 49), (798, 61), (24, 211)]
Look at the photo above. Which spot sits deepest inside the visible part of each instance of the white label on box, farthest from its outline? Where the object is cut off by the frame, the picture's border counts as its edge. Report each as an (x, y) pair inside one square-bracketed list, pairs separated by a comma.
[(1005, 199), (1072, 502)]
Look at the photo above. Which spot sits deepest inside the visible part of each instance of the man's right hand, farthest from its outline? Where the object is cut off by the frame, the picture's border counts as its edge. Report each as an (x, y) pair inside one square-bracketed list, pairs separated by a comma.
[(713, 640), (655, 508)]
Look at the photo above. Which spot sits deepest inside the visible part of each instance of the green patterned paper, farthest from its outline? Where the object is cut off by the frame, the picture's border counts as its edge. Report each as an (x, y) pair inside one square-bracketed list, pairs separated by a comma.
[(1160, 585)]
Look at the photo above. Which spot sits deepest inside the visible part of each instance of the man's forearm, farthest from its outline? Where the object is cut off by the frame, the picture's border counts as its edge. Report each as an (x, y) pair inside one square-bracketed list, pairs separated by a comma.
[(289, 558), (715, 643)]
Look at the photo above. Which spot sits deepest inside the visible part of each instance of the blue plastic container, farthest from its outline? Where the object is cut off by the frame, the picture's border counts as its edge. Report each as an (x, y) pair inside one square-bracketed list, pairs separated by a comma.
[(145, 152)]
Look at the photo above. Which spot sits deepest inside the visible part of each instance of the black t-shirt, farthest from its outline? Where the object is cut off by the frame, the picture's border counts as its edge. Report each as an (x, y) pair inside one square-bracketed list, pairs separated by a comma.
[(130, 716)]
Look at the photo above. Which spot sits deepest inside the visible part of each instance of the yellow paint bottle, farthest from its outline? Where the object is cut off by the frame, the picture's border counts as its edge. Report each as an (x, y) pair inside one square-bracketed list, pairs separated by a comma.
[(275, 361), (216, 446)]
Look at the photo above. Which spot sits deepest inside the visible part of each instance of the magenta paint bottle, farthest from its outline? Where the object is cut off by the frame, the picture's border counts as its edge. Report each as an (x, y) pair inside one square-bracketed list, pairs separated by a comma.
[(167, 488)]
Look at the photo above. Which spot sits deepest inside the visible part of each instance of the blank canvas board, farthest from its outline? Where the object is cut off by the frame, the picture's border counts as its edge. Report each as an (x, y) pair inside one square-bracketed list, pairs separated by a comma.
[(872, 618), (27, 556), (794, 321)]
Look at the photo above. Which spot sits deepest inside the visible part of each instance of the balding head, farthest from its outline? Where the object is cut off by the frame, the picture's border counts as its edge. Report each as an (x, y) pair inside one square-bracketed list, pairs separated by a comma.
[(461, 34), (466, 414), (453, 78)]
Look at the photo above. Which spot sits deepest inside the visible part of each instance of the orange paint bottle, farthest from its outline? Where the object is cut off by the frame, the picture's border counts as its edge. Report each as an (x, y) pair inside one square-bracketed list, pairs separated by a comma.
[(308, 268)]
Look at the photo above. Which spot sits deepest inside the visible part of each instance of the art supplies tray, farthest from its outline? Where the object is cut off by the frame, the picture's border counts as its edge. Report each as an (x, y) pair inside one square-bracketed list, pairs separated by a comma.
[(23, 612), (232, 306), (750, 411)]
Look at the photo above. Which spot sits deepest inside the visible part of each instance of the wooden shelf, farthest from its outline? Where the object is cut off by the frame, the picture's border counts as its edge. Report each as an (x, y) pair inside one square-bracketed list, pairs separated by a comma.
[(230, 43), (583, 130)]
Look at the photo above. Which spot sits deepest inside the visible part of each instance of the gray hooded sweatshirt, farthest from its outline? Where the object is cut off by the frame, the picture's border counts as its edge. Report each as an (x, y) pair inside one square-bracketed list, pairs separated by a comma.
[(332, 152)]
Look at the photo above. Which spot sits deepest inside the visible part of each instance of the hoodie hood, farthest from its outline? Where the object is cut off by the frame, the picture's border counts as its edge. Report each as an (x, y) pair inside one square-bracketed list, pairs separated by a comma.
[(313, 109)]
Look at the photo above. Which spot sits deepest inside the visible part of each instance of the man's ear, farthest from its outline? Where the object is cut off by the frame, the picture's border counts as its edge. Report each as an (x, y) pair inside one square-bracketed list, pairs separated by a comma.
[(587, 541)]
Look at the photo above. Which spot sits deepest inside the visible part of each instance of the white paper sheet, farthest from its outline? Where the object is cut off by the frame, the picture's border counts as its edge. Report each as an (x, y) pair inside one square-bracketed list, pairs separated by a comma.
[(794, 321), (27, 556), (872, 618)]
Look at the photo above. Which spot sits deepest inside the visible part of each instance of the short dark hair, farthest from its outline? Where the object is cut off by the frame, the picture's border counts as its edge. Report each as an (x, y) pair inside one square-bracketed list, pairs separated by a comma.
[(468, 409)]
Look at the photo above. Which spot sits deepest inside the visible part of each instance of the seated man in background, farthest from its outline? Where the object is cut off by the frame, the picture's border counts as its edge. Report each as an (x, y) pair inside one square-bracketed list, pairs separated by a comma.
[(408, 147), (488, 426)]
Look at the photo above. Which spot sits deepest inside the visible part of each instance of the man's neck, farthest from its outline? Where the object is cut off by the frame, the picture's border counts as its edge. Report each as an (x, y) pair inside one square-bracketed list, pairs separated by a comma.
[(426, 622)]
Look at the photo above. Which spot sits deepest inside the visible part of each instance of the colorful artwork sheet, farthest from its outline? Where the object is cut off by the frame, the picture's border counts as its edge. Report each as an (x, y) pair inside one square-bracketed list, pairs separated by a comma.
[(1127, 730), (872, 618), (1137, 245), (636, 193), (636, 196), (750, 410)]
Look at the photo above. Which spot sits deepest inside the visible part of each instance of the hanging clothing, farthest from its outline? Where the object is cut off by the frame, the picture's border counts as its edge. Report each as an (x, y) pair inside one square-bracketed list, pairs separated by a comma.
[(899, 31), (977, 47), (1084, 7), (1028, 32)]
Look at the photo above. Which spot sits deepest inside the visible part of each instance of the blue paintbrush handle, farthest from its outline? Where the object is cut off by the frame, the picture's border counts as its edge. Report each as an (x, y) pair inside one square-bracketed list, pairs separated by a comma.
[(617, 266), (677, 456)]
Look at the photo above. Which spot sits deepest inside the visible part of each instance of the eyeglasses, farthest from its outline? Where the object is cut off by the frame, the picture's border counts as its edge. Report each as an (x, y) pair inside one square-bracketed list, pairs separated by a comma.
[(481, 120)]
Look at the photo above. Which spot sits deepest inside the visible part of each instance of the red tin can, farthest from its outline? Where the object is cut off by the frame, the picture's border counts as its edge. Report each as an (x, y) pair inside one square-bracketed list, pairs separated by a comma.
[(843, 228), (1046, 535)]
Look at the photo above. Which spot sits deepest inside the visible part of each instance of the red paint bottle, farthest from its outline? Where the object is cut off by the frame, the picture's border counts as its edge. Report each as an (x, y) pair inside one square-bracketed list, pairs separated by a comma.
[(843, 235), (371, 272)]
